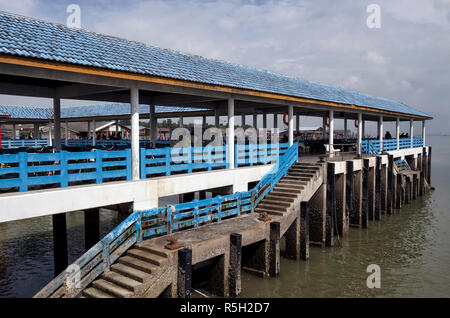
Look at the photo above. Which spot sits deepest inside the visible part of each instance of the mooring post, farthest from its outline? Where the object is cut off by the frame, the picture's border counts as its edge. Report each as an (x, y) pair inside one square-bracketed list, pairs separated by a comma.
[(274, 249), (408, 190), (184, 273), (372, 193), (91, 227), (378, 188), (331, 207), (235, 264), (304, 230), (399, 191), (390, 195), (365, 199), (317, 217), (292, 238), (349, 190), (60, 243)]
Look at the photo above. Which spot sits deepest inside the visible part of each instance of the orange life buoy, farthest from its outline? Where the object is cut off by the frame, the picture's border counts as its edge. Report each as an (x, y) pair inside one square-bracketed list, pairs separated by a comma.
[(285, 121), (356, 123)]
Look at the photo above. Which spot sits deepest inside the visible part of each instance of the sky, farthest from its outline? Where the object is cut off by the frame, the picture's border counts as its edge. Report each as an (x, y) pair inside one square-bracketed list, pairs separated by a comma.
[(327, 41)]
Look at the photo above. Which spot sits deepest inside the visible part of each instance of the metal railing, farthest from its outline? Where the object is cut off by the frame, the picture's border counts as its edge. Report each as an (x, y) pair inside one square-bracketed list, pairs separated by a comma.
[(142, 225), (373, 146), (23, 143)]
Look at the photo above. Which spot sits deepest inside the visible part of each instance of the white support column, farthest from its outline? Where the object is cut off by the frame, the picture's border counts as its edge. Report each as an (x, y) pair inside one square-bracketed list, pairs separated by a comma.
[(153, 125), (94, 134), (291, 124), (89, 130), (324, 127), (360, 133), (14, 131), (203, 123), (397, 128), (345, 128), (380, 132), (331, 116), (180, 122), (411, 132), (57, 120), (363, 129), (230, 133), (67, 134), (243, 121), (50, 135), (134, 93), (216, 118), (423, 132)]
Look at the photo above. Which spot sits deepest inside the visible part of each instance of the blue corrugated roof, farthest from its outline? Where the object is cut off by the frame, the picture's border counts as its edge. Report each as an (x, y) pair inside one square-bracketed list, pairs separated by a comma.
[(25, 112), (32, 38)]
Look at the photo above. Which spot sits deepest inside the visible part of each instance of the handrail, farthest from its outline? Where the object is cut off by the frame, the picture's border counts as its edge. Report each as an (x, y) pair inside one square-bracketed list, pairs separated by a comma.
[(141, 225), (374, 146)]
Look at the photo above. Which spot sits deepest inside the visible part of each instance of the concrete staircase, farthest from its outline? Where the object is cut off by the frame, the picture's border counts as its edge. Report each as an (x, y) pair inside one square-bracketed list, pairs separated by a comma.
[(289, 188), (132, 275)]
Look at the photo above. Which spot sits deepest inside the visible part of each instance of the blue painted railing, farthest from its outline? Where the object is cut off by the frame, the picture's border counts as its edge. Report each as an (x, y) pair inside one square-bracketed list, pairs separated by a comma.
[(373, 147), (24, 170), (258, 153), (142, 225), (38, 143), (24, 143), (402, 165)]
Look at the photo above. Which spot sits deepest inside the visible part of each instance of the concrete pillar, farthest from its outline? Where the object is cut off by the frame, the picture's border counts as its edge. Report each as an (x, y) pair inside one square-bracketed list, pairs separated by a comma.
[(355, 217), (331, 207), (292, 238), (50, 135), (57, 120), (134, 92), (89, 134), (304, 230), (397, 129), (291, 124), (365, 194), (91, 227), (364, 129), (411, 132), (216, 118), (391, 185), (297, 124), (345, 128), (415, 186), (398, 204), (331, 139), (372, 193), (66, 134), (384, 189), (235, 264), (94, 134), (274, 249), (59, 243), (317, 216), (184, 279), (349, 184), (14, 131), (360, 133), (230, 133), (408, 190), (153, 121), (429, 166), (378, 195), (342, 225), (324, 128), (423, 132), (380, 132)]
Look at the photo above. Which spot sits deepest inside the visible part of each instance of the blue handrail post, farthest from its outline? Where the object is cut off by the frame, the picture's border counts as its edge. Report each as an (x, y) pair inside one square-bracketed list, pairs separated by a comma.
[(128, 163), (98, 166), (64, 169), (139, 233), (195, 221), (23, 171), (236, 163), (167, 156), (143, 163), (169, 218), (105, 253)]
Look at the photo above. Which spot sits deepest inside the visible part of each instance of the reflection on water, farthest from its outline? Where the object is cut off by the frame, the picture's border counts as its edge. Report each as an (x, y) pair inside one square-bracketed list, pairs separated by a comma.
[(412, 248)]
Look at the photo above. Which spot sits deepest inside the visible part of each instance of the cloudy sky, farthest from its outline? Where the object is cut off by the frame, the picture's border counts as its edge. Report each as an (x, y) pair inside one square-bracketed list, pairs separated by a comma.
[(407, 59)]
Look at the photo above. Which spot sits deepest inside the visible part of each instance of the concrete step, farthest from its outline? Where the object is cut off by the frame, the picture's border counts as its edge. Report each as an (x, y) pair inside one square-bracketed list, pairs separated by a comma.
[(272, 207), (150, 249), (111, 288), (307, 164), (306, 168), (261, 210), (275, 201), (292, 182), (138, 264), (301, 174), (286, 189), (290, 177), (279, 198), (93, 292), (121, 280), (288, 196), (130, 272), (142, 254)]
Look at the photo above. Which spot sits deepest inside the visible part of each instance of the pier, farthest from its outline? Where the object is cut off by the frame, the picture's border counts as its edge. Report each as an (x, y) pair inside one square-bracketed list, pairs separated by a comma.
[(261, 195)]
